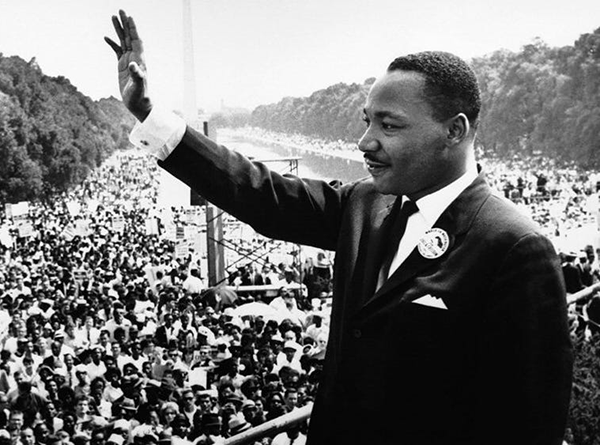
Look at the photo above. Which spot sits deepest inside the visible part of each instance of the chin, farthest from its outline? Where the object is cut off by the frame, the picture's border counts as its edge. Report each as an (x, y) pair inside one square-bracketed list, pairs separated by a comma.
[(383, 187)]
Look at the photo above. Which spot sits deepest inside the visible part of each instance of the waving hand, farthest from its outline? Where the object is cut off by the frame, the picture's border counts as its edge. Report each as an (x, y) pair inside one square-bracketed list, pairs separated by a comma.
[(131, 66)]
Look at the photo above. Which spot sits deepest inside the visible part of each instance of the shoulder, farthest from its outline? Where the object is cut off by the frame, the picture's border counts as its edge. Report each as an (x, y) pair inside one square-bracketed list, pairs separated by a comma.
[(502, 217), (494, 226)]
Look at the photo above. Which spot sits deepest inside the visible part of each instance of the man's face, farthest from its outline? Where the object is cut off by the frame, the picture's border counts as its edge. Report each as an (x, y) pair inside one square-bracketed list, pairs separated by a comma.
[(404, 146), (188, 399), (55, 347), (82, 407), (204, 403), (289, 354), (180, 429), (135, 348), (291, 400), (41, 432), (16, 421), (53, 386), (109, 362), (51, 409)]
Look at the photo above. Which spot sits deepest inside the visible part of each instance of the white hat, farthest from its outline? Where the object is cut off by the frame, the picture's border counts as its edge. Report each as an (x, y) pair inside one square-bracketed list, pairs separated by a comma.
[(290, 344), (121, 424), (115, 438)]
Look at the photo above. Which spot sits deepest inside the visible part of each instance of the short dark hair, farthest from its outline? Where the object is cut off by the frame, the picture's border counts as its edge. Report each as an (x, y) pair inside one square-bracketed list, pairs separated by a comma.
[(450, 84)]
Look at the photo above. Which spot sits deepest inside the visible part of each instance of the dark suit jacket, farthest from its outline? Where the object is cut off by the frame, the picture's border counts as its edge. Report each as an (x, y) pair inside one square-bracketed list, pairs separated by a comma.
[(160, 336), (495, 367)]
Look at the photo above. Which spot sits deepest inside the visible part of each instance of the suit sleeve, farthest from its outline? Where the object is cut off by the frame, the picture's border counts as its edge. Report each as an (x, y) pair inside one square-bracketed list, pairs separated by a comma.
[(279, 206), (525, 353)]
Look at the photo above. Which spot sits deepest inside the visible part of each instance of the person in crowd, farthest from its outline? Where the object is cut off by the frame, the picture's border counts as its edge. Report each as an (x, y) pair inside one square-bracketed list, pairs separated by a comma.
[(423, 249), (168, 413), (285, 303), (291, 398), (96, 367), (118, 321), (210, 430), (188, 407), (30, 404), (181, 430), (193, 284), (27, 436), (16, 420), (293, 435), (82, 413), (166, 331)]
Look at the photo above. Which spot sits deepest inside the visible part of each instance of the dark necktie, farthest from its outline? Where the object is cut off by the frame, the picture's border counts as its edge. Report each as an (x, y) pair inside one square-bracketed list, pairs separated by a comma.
[(394, 236)]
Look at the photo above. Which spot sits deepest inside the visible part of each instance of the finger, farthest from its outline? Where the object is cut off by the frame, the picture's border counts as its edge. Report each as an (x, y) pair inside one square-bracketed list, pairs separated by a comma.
[(132, 29), (118, 29), (126, 30), (136, 42), (116, 48)]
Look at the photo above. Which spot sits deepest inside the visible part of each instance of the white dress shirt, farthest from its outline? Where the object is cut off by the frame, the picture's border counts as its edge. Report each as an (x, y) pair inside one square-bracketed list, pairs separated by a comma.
[(430, 208)]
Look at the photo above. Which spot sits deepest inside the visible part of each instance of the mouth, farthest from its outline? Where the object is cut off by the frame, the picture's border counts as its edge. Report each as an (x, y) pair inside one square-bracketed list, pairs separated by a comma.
[(375, 167)]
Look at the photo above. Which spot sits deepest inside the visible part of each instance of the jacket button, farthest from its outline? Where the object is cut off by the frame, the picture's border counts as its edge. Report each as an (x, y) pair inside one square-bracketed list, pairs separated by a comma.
[(356, 333)]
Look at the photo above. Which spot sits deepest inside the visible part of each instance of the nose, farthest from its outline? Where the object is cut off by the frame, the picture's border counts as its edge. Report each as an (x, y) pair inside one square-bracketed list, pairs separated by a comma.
[(368, 142)]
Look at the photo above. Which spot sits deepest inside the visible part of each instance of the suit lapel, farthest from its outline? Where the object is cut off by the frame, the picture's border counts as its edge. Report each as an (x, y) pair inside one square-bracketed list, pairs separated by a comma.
[(367, 266), (455, 220)]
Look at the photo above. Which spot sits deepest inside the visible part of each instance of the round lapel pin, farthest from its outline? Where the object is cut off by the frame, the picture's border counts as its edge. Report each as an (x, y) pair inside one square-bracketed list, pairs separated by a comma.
[(434, 243)]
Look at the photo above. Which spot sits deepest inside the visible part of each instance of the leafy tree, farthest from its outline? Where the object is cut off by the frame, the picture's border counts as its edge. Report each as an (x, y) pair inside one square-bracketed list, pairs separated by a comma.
[(51, 135)]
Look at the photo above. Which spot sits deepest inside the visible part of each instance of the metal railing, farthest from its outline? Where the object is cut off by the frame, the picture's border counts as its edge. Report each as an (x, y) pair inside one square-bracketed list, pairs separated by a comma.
[(272, 427)]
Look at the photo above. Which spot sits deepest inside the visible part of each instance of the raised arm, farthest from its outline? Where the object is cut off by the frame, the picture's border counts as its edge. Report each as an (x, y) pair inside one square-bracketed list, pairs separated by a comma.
[(131, 66)]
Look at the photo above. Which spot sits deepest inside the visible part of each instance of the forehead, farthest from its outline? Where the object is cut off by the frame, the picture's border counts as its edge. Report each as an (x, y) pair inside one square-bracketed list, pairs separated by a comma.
[(398, 93)]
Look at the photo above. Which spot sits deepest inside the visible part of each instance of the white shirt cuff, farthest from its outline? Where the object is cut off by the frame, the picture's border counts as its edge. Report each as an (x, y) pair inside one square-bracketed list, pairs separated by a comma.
[(159, 134)]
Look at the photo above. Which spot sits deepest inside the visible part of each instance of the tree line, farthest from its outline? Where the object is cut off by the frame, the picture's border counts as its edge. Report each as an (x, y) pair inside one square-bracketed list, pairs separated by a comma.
[(51, 135), (539, 101)]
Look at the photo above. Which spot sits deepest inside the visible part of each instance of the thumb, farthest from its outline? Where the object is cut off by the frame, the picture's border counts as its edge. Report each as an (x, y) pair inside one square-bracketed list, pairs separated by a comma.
[(137, 74)]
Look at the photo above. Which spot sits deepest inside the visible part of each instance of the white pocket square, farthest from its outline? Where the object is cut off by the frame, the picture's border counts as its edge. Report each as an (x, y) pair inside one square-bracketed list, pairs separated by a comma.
[(431, 301)]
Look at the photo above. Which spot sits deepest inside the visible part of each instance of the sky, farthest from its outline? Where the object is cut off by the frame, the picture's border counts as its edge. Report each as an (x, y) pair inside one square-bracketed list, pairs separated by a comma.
[(253, 52)]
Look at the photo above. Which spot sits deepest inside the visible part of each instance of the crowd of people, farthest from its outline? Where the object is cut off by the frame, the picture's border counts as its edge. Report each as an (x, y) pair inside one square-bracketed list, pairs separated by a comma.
[(110, 334)]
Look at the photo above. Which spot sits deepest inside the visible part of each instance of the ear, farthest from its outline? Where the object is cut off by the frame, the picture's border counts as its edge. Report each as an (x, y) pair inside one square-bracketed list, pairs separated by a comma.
[(458, 129)]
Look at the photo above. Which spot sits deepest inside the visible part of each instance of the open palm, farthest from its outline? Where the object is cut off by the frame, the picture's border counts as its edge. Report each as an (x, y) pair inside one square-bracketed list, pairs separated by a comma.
[(131, 66)]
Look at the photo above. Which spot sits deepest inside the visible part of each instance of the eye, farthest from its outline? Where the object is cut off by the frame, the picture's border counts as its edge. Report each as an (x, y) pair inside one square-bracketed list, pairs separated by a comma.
[(388, 126)]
